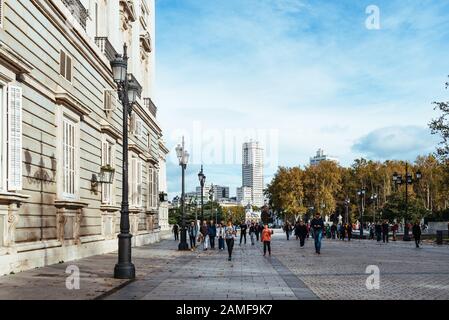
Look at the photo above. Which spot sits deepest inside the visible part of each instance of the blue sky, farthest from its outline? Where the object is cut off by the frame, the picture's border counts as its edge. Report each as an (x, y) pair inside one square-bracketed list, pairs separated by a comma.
[(297, 75)]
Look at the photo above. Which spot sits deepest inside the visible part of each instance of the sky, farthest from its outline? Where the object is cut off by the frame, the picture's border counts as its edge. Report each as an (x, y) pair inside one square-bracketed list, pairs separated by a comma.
[(297, 75)]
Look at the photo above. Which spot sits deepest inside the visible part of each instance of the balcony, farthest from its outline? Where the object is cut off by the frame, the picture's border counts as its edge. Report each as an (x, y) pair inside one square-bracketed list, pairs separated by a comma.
[(148, 103), (106, 47), (131, 78), (78, 11)]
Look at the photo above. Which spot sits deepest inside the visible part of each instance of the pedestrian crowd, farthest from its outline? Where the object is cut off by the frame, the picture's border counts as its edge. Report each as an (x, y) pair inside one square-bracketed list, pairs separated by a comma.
[(209, 233)]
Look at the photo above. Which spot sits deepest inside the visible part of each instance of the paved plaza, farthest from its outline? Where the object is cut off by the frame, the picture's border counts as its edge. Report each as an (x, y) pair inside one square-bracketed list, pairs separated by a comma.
[(291, 273)]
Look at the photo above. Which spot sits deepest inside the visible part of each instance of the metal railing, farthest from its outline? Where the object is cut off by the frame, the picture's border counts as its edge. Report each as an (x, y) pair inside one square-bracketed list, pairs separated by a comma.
[(77, 9), (148, 103), (106, 47)]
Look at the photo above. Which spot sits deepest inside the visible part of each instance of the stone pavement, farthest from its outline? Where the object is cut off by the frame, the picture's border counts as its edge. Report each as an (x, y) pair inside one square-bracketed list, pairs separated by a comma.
[(291, 273)]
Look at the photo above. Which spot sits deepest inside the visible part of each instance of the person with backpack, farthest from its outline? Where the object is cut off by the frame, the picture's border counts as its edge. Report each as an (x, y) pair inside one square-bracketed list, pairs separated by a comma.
[(266, 239), (317, 225), (230, 233)]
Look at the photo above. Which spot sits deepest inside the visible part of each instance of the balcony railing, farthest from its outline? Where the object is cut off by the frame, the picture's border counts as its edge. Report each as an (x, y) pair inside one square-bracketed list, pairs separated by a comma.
[(150, 105), (106, 47), (78, 11)]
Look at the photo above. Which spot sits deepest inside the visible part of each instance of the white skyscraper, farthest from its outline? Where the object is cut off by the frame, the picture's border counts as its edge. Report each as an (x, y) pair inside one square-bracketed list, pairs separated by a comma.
[(252, 171)]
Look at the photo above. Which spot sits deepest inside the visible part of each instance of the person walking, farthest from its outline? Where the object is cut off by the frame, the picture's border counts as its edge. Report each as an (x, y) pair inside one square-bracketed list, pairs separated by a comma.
[(416, 231), (318, 228), (395, 229), (212, 232), (176, 231), (385, 230), (193, 232), (378, 231), (204, 230), (296, 229), (333, 230), (230, 233), (349, 231), (266, 239), (371, 231), (287, 229), (221, 236), (258, 230), (252, 232), (243, 228), (302, 233), (342, 232)]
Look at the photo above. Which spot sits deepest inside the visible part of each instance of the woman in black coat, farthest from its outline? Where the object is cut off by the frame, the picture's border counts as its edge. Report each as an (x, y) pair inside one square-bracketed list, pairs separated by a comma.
[(416, 230), (302, 232)]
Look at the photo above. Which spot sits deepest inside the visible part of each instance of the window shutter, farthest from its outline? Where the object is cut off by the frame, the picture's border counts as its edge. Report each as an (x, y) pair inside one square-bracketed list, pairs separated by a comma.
[(62, 64), (139, 183), (156, 188), (69, 68), (150, 187), (1, 13), (14, 115)]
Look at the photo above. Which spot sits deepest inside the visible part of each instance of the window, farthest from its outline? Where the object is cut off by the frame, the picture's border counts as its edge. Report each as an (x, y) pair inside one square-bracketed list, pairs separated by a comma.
[(107, 159), (10, 138), (68, 158), (136, 182), (110, 100), (65, 66), (153, 189), (139, 128)]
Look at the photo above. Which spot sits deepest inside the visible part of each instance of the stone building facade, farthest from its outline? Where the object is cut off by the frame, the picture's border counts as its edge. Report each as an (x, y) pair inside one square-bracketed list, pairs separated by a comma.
[(61, 123)]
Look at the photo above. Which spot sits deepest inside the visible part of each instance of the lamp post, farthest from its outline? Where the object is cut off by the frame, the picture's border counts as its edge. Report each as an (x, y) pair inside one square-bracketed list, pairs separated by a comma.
[(202, 179), (211, 198), (374, 198), (397, 180), (128, 91), (361, 193), (347, 202), (183, 157)]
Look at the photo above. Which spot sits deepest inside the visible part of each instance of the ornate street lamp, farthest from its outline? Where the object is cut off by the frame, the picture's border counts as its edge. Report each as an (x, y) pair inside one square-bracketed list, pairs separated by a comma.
[(183, 157), (202, 179), (361, 192), (127, 94), (374, 198), (397, 180)]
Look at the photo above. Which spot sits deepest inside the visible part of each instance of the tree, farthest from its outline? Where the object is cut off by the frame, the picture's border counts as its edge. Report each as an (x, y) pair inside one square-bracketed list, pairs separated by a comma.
[(440, 126)]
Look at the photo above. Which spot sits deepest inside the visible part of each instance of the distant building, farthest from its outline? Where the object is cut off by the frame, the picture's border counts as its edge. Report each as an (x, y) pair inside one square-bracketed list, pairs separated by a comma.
[(244, 195), (321, 156), (221, 192)]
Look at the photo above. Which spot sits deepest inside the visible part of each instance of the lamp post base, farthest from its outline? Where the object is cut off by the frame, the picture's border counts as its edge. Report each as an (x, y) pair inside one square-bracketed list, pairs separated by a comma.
[(183, 243), (124, 271)]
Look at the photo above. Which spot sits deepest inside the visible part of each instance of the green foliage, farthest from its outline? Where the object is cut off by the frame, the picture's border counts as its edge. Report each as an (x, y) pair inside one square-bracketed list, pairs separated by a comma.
[(324, 187)]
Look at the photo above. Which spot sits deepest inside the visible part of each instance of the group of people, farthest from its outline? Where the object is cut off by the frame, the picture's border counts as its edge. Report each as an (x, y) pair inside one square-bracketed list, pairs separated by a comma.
[(207, 233)]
